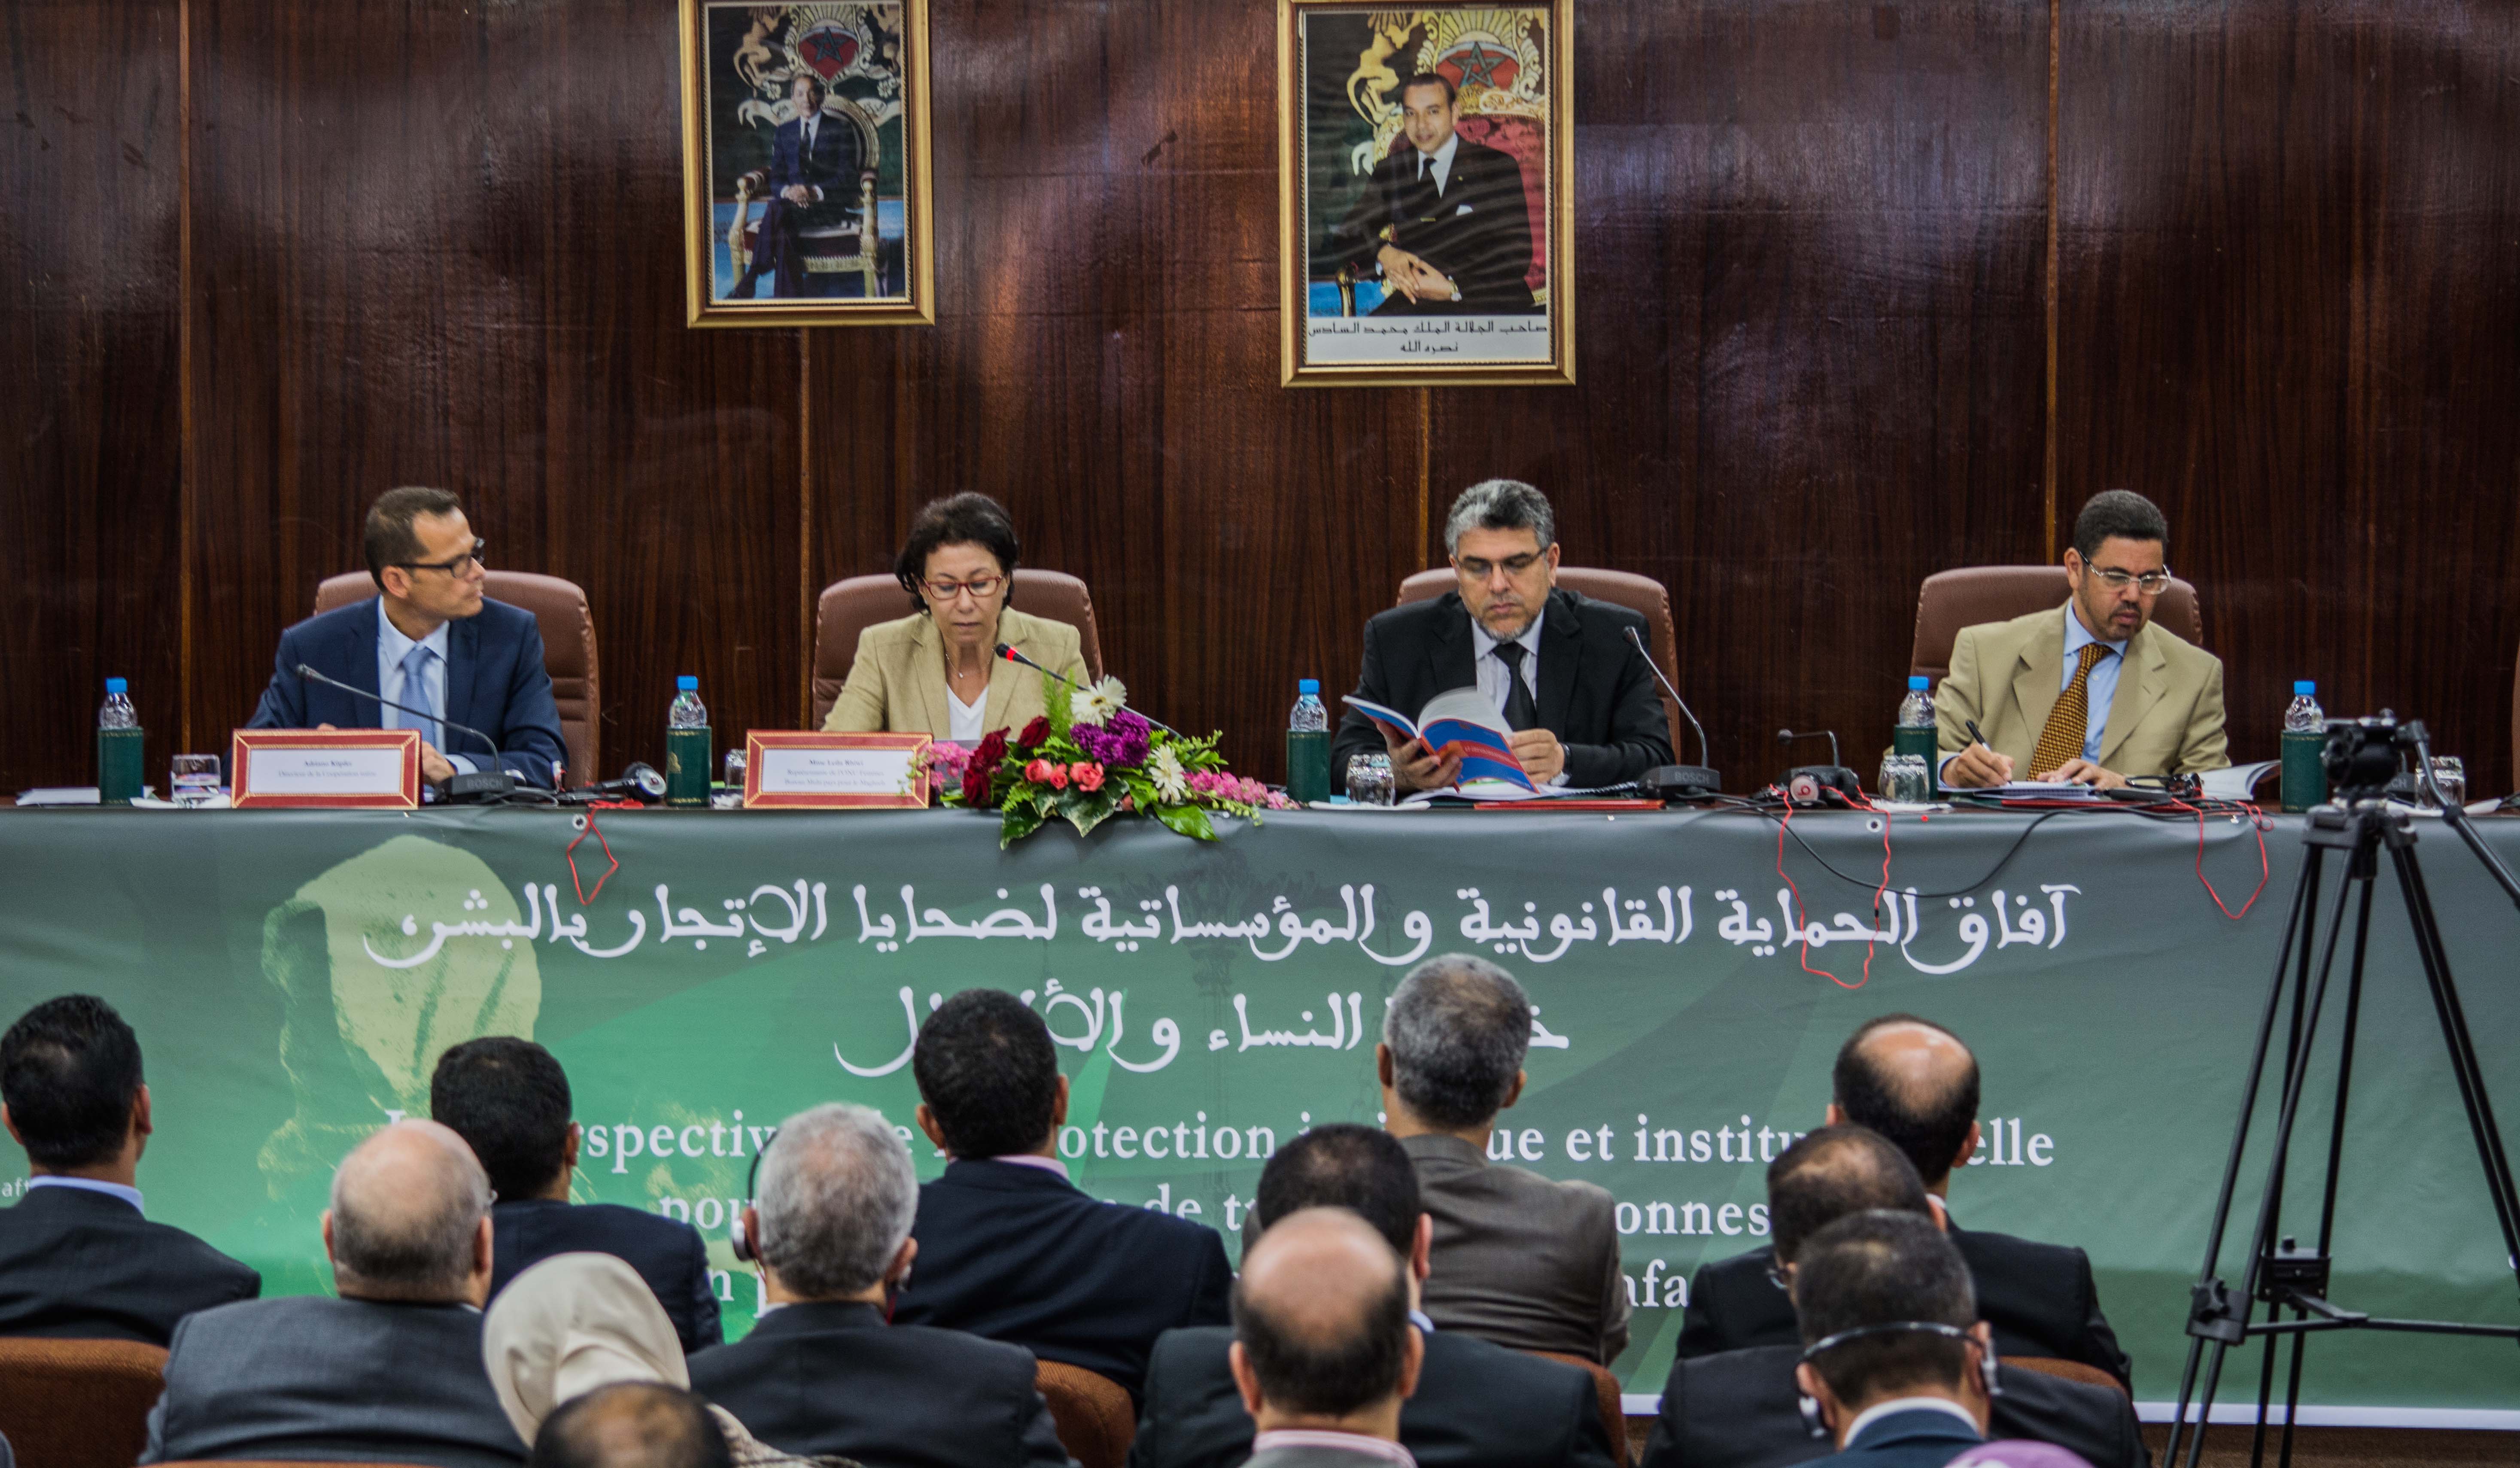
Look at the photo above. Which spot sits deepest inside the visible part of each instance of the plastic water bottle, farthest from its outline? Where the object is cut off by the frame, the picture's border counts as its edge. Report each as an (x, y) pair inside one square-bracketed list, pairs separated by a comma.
[(1308, 745), (1914, 733), (117, 745), (2305, 740), (688, 756)]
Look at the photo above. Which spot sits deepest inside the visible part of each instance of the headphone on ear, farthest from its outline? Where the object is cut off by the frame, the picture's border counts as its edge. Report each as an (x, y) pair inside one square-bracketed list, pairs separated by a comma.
[(1986, 1366), (746, 1247)]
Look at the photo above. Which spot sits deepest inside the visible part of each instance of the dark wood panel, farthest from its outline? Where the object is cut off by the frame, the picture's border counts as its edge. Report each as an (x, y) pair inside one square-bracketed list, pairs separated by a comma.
[(438, 247), (90, 454), (1810, 326)]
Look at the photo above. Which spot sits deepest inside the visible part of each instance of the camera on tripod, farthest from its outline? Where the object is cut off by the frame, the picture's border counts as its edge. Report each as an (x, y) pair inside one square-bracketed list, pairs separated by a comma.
[(2365, 757)]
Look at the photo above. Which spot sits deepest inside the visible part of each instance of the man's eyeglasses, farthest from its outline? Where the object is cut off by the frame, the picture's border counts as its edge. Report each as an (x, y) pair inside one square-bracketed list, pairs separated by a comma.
[(2150, 583), (981, 588), (453, 566), (1479, 570)]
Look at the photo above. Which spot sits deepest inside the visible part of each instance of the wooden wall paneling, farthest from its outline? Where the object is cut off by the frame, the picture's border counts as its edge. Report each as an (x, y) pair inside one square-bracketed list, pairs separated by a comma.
[(90, 447), (1810, 243)]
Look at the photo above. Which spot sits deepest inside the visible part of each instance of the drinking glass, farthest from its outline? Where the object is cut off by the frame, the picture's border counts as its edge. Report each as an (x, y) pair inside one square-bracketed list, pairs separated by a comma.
[(1906, 779), (1368, 780), (731, 798), (2450, 772), (193, 780)]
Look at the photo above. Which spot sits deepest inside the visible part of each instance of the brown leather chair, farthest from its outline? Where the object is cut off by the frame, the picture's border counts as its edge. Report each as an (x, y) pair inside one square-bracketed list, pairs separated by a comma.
[(2055, 1365), (1615, 1414), (1092, 1412), (569, 649), (1641, 595), (1950, 601), (77, 1404), (851, 606)]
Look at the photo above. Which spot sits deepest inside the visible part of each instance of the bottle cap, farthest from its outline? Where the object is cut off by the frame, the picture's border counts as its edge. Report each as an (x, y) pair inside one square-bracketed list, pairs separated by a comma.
[(1918, 682), (687, 683), (2304, 688), (117, 685), (1310, 685)]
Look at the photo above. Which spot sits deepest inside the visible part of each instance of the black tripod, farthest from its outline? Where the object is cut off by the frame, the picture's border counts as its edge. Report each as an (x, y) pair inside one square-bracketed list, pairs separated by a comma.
[(2360, 757)]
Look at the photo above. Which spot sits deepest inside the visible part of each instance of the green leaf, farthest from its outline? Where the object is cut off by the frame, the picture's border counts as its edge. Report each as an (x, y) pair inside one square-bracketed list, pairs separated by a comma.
[(1086, 811), (1023, 819), (1189, 820), (1056, 696)]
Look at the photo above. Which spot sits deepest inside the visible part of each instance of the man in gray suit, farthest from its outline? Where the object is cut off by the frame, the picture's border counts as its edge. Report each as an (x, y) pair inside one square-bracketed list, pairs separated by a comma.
[(1323, 1353), (1520, 1260), (389, 1372)]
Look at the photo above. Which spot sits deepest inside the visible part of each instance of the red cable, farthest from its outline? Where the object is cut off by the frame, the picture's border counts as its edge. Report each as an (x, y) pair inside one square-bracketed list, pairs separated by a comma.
[(1804, 956), (584, 897), (2258, 822)]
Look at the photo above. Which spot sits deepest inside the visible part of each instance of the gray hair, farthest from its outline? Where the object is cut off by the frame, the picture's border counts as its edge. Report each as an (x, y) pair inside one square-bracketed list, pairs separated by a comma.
[(402, 1228), (1458, 1027), (837, 1196), (1499, 505)]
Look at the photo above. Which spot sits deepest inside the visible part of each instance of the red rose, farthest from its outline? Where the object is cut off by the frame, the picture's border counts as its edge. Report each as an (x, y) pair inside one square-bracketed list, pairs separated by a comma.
[(983, 768), (1033, 735), (1087, 774)]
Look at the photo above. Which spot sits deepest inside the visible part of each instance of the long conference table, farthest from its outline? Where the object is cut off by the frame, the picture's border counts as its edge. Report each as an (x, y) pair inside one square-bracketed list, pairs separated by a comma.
[(293, 976)]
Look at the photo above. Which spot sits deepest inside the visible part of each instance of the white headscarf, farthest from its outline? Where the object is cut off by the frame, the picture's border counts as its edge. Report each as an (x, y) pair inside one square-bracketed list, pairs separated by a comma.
[(568, 1325)]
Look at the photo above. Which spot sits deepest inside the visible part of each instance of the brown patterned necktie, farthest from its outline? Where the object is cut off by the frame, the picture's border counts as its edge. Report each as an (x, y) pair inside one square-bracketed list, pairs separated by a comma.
[(2069, 723)]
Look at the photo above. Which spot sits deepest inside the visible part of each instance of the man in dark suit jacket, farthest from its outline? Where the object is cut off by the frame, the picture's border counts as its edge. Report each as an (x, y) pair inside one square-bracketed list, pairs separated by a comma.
[(815, 161), (76, 1257), (389, 1372), (431, 641), (1557, 665), (1008, 1248), (1477, 1404), (821, 1371), (1914, 1083), (1893, 1352), (1445, 220), (508, 1099)]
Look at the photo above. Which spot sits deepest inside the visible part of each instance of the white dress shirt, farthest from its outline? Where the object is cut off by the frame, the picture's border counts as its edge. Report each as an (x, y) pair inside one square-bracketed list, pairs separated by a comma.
[(391, 649), (130, 1195), (1490, 669), (1441, 161), (2100, 688), (963, 721), (1876, 1413)]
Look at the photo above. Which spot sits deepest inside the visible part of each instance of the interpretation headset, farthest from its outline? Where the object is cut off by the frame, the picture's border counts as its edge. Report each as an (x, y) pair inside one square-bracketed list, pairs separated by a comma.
[(1985, 1366), (747, 1248)]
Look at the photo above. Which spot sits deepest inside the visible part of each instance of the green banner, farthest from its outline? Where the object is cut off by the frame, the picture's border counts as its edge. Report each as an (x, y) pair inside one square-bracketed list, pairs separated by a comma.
[(294, 977)]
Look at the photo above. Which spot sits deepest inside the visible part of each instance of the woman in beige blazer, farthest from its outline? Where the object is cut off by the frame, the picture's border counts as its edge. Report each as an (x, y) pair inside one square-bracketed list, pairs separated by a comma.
[(936, 671)]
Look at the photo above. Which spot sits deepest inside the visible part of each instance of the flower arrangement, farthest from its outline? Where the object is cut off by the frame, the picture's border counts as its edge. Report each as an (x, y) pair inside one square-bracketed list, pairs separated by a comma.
[(1091, 758)]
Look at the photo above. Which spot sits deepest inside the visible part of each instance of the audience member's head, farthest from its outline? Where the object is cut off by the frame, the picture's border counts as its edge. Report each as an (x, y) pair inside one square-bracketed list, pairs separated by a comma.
[(509, 1101), (1361, 1169), (1887, 1311), (1832, 1172), (1452, 1041), (1914, 1082), (631, 1424), (71, 1088), (836, 1199), (410, 1219), (568, 1325), (1322, 1337), (988, 1077)]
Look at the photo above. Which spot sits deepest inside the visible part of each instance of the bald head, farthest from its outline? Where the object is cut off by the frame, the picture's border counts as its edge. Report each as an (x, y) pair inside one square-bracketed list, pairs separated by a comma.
[(1913, 1082), (409, 1214), (1321, 1315), (1834, 1172)]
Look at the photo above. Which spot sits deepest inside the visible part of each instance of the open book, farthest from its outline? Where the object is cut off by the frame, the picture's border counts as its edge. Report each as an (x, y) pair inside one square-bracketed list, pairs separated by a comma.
[(1462, 721)]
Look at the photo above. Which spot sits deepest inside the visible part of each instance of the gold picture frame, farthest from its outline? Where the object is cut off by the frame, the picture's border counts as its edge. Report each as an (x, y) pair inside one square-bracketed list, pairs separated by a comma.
[(791, 223), (1495, 259)]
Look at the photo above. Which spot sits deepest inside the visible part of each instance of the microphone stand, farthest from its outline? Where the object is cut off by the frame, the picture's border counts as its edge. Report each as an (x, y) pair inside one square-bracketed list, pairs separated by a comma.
[(1008, 652), (1676, 782), (462, 785)]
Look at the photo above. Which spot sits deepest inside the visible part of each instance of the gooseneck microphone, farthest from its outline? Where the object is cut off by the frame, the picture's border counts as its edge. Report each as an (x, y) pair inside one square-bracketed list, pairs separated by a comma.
[(1008, 652), (1671, 781), (1808, 784), (464, 786)]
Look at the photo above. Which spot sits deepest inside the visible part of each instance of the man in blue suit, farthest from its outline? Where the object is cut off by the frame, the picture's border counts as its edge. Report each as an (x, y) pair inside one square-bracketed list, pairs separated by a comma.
[(814, 167), (1901, 1368), (430, 640)]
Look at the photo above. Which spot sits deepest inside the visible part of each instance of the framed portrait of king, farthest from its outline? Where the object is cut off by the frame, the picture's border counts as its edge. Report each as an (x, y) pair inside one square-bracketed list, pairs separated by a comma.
[(806, 191), (1424, 182)]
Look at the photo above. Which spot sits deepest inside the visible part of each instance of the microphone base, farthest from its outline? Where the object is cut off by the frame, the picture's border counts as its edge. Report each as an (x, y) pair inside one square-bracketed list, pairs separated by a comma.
[(1680, 782), (493, 785)]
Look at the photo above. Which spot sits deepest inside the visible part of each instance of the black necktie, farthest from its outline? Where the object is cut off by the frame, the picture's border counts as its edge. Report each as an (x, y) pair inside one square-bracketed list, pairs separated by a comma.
[(1519, 711)]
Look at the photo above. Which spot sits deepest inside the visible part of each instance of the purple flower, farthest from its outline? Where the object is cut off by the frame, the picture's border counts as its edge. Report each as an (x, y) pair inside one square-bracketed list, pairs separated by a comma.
[(1121, 741)]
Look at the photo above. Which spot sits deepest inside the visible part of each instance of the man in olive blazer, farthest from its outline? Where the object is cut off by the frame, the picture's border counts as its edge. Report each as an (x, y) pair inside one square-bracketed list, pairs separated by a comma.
[(897, 684)]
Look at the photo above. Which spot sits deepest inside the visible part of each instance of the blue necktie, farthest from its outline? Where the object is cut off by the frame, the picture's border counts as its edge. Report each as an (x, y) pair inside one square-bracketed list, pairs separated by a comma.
[(414, 692)]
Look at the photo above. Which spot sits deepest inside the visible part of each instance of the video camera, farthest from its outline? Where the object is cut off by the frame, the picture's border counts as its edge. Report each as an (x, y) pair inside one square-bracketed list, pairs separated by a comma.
[(2366, 757)]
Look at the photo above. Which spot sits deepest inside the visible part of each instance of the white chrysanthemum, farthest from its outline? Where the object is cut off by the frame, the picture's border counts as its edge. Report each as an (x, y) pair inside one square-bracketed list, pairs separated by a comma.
[(1096, 704), (1172, 782)]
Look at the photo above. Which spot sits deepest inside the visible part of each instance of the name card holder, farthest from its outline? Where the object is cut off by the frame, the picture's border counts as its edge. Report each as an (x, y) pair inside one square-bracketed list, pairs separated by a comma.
[(835, 771), (326, 769)]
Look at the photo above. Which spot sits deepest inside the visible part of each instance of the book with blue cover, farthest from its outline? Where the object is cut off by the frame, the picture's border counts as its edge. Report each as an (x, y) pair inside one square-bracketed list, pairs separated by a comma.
[(1462, 721)]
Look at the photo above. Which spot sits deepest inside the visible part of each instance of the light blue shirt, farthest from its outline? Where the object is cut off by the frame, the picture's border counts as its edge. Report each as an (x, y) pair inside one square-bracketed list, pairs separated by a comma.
[(130, 1195), (391, 649), (2101, 688)]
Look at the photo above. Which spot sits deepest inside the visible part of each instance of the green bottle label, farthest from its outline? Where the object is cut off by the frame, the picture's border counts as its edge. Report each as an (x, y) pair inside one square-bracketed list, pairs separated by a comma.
[(2304, 774), (1308, 766), (1918, 740), (686, 766), (117, 765)]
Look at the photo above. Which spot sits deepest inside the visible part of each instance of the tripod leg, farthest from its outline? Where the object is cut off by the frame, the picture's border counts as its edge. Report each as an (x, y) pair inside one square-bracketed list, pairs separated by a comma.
[(2465, 1067), (2294, 1058), (2335, 1162)]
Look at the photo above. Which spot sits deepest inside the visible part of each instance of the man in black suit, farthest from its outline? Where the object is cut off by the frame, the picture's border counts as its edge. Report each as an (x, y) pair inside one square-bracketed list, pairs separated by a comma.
[(822, 1372), (76, 1257), (813, 177), (1477, 1404), (1008, 1248), (1557, 664), (1445, 220), (509, 1101), (1914, 1082), (389, 1372), (1902, 1368), (1740, 1408)]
